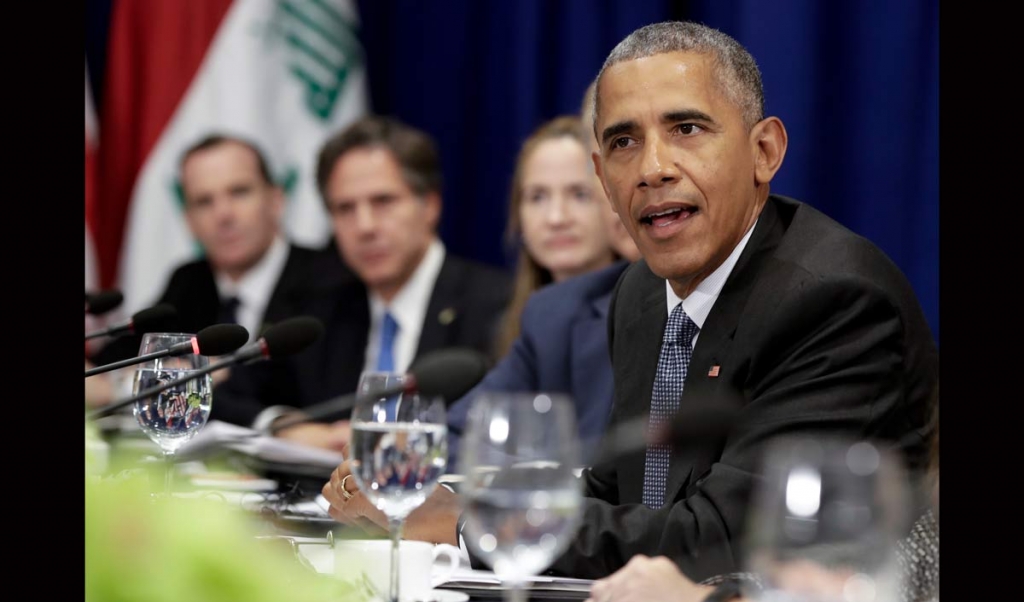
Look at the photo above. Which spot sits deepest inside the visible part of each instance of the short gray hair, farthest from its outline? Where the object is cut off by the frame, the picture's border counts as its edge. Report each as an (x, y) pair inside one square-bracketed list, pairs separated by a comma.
[(737, 72)]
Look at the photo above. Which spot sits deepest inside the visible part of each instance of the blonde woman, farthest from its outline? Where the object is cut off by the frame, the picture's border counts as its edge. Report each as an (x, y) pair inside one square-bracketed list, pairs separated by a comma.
[(557, 216), (555, 336)]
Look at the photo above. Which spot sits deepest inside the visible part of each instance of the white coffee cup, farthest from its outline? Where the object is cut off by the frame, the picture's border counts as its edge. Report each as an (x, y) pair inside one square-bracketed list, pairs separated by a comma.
[(354, 558)]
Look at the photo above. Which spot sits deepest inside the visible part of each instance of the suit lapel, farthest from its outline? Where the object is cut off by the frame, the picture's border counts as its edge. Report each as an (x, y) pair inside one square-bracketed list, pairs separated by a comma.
[(637, 377), (712, 369), (205, 299), (279, 306), (345, 341), (443, 310)]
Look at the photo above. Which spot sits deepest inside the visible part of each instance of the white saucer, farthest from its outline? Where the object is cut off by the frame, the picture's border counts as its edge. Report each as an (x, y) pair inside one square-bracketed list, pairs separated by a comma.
[(233, 484), (447, 595), (444, 595)]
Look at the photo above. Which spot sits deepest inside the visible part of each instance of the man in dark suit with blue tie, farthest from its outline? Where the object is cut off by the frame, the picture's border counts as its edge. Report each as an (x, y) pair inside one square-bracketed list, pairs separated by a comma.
[(742, 297)]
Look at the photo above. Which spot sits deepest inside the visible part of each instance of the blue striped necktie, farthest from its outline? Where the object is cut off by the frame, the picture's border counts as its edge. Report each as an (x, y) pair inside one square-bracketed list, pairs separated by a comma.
[(386, 356)]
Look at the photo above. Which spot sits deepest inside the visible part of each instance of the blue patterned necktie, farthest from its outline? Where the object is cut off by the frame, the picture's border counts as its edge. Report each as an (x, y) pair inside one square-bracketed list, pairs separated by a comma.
[(676, 350), (386, 356)]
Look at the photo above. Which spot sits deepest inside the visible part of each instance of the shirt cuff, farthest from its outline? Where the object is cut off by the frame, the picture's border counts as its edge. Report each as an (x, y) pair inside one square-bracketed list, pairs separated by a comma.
[(265, 418), (463, 550)]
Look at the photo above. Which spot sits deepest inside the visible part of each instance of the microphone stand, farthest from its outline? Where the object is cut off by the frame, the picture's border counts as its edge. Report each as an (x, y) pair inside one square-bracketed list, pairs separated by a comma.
[(128, 362), (113, 407)]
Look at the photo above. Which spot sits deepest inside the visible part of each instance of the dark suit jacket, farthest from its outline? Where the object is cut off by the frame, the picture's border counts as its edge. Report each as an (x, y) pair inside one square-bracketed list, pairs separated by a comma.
[(816, 332), (466, 303), (192, 290), (562, 348)]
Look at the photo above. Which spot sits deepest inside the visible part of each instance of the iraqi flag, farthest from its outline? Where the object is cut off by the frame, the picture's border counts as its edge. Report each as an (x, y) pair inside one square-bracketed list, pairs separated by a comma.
[(284, 74)]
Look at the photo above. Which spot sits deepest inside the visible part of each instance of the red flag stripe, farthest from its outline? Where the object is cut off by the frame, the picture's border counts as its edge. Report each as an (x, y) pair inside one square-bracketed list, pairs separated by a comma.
[(155, 49)]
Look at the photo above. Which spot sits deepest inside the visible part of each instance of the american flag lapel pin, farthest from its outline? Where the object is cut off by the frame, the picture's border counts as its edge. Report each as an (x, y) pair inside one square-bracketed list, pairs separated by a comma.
[(713, 372)]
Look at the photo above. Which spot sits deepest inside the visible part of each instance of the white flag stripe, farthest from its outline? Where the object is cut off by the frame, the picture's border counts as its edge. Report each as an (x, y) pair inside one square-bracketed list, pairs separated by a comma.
[(92, 127)]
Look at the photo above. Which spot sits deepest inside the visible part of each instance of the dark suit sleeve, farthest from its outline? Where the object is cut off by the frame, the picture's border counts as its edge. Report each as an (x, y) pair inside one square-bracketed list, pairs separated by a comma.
[(252, 388), (517, 371), (826, 362), (600, 481), (127, 346)]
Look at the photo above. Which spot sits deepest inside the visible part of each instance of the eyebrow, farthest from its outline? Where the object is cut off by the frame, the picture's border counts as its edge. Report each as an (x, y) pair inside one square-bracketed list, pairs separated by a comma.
[(685, 115), (615, 129)]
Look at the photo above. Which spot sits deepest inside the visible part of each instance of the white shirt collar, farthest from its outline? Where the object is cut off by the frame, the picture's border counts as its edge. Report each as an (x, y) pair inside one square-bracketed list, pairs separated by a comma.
[(254, 288), (408, 307), (698, 304)]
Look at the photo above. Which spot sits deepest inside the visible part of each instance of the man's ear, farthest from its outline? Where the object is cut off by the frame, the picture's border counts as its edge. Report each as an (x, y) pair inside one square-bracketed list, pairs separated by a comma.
[(769, 140), (278, 202), (432, 202)]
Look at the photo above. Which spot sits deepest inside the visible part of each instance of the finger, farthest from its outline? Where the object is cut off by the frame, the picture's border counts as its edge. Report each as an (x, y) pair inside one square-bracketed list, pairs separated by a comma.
[(359, 505), (599, 590), (337, 514), (369, 527), (331, 495), (336, 475), (344, 512)]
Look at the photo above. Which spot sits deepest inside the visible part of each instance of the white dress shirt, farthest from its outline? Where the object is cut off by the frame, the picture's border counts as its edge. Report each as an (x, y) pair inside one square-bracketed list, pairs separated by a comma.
[(254, 289), (408, 307), (698, 304)]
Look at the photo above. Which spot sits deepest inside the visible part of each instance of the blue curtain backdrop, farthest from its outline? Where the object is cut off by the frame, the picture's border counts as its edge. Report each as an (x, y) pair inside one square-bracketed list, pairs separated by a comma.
[(856, 84)]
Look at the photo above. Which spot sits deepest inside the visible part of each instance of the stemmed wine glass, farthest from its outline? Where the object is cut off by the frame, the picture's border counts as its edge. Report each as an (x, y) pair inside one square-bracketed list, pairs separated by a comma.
[(172, 417), (823, 525), (520, 494), (399, 449)]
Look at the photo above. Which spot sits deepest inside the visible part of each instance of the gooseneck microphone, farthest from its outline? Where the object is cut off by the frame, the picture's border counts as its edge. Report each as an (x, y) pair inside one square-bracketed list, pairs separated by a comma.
[(154, 319), (212, 340), (285, 338), (100, 303), (446, 373)]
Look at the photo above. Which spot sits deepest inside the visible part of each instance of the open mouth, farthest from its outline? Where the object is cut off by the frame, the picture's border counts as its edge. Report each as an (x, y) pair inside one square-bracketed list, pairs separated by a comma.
[(665, 217)]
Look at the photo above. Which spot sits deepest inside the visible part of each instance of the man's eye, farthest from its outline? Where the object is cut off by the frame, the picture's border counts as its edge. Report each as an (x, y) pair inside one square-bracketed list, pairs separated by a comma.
[(621, 142), (689, 128)]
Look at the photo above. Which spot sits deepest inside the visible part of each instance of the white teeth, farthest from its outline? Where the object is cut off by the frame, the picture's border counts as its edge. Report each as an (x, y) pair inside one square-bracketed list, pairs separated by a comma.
[(666, 212)]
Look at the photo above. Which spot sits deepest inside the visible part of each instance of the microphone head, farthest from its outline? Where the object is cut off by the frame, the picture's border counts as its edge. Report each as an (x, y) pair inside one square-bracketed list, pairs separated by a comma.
[(291, 336), (449, 373), (159, 318), (100, 303), (220, 339)]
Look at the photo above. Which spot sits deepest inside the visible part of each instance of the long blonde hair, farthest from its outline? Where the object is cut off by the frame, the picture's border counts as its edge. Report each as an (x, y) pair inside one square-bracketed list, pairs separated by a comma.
[(530, 275)]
